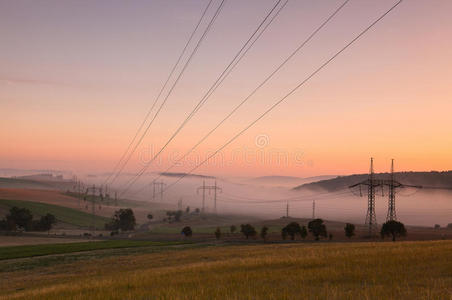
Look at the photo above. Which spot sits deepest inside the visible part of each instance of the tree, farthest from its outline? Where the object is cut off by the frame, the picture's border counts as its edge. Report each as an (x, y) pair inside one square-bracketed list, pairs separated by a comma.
[(330, 236), (218, 233), (19, 218), (248, 230), (264, 231), (317, 228), (123, 219), (437, 226), (187, 210), (150, 217), (304, 232), (187, 231), (394, 229), (197, 210), (292, 229), (45, 223), (349, 230), (284, 233), (233, 228)]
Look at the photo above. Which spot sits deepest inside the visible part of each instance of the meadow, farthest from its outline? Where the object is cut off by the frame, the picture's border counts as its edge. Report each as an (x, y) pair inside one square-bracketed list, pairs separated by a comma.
[(365, 270), (63, 214)]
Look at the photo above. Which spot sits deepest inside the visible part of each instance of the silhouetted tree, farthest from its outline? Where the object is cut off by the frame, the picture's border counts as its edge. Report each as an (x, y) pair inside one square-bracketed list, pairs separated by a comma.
[(218, 233), (317, 228), (248, 230), (292, 229), (393, 228), (304, 232), (19, 218), (349, 230), (150, 216), (187, 210), (123, 219), (45, 223), (233, 228), (284, 233), (264, 231), (330, 236), (187, 231)]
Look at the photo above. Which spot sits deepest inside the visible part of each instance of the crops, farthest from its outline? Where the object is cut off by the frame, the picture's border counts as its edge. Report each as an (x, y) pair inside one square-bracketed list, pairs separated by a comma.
[(407, 270)]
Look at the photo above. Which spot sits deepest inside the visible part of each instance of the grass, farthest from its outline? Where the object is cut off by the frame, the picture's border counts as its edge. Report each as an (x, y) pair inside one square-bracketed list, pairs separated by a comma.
[(63, 214), (402, 270), (49, 249)]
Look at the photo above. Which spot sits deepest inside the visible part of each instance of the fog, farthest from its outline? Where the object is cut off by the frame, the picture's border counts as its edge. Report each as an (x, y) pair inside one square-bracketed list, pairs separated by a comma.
[(268, 199)]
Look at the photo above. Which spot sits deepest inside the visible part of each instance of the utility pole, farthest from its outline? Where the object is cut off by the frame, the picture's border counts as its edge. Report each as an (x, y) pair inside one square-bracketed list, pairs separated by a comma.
[(205, 187), (313, 209), (287, 209), (179, 204)]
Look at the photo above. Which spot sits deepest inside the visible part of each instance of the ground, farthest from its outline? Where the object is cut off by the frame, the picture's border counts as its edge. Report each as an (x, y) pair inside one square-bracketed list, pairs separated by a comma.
[(302, 270)]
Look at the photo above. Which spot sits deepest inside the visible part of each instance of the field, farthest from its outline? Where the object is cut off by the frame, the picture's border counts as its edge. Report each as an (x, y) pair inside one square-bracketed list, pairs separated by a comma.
[(401, 270), (51, 249), (63, 214)]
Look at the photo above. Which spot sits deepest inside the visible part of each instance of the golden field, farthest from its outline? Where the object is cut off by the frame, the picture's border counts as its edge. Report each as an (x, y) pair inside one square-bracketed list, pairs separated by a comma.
[(373, 270)]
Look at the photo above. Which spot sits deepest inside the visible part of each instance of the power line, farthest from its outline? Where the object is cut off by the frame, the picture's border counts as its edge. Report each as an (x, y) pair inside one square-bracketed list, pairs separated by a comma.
[(290, 92), (239, 55), (301, 46), (161, 91), (214, 17)]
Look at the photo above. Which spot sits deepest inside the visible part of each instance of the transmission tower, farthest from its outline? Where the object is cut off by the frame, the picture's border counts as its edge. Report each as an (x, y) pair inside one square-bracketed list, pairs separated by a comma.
[(372, 184), (209, 188), (160, 185), (91, 193), (391, 203)]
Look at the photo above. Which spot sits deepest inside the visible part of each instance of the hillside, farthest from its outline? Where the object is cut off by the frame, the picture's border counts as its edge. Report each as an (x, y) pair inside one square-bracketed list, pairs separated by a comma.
[(63, 214), (426, 179)]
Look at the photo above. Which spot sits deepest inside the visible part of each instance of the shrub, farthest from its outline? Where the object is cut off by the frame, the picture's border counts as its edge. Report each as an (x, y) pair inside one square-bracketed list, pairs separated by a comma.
[(187, 231)]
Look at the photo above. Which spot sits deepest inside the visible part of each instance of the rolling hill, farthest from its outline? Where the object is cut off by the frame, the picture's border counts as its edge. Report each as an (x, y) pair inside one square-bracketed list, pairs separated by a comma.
[(426, 179)]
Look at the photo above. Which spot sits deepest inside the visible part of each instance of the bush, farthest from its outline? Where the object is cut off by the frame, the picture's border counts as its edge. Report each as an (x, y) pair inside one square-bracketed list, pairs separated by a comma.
[(264, 232), (349, 230), (218, 233), (187, 231), (233, 228)]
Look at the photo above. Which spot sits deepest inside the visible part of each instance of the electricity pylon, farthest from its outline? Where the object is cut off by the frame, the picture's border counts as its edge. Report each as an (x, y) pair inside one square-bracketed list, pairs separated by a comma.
[(372, 184), (209, 188), (160, 185)]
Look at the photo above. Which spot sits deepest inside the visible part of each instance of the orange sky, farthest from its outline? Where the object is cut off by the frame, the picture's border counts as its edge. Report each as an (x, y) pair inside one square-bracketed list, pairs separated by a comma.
[(77, 79)]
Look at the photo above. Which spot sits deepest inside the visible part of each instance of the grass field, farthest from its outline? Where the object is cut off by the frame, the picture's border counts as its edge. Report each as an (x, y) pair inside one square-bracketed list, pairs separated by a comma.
[(402, 270), (49, 249), (63, 214)]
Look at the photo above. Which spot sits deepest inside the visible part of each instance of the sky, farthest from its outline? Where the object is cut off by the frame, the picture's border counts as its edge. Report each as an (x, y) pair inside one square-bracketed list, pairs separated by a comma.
[(77, 78)]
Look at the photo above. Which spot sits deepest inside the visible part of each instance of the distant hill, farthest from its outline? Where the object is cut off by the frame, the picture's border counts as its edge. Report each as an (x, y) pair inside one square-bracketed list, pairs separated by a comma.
[(427, 179), (169, 174), (288, 180)]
